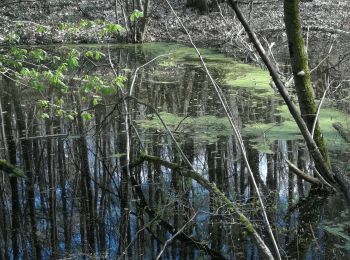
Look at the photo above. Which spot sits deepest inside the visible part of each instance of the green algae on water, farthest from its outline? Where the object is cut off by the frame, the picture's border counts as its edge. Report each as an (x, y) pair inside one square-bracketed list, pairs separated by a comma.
[(206, 128)]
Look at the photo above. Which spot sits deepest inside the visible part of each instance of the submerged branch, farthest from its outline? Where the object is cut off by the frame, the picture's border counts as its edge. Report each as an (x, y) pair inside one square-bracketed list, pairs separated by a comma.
[(10, 169), (231, 207), (182, 237), (176, 234)]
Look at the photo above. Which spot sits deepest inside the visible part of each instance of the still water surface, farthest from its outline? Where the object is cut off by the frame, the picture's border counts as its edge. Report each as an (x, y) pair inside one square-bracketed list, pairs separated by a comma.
[(86, 203)]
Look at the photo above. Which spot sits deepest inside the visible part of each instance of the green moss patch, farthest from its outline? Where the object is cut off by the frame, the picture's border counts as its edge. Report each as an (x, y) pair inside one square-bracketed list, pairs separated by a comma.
[(206, 129), (288, 130), (234, 74), (248, 76)]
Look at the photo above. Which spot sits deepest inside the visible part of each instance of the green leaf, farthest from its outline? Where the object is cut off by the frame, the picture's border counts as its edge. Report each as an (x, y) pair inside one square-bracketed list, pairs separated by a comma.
[(59, 112), (86, 116), (62, 68), (93, 83), (89, 54), (95, 55), (38, 54), (105, 90), (119, 81), (96, 100), (113, 28), (73, 59), (98, 55), (37, 85), (70, 117), (40, 29), (73, 62), (25, 72), (18, 53), (64, 26), (13, 38), (60, 102), (44, 103), (136, 14), (45, 116)]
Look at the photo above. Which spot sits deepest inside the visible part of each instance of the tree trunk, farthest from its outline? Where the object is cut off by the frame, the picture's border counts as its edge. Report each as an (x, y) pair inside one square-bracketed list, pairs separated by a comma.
[(301, 72), (27, 153), (12, 155), (320, 162)]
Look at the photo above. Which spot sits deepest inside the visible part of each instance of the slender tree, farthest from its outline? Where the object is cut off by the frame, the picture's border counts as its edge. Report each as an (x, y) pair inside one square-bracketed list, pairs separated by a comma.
[(301, 72)]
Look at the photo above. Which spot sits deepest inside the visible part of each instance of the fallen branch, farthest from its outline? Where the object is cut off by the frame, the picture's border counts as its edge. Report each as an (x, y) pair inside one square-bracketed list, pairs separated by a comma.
[(302, 175), (182, 237), (318, 182), (231, 207)]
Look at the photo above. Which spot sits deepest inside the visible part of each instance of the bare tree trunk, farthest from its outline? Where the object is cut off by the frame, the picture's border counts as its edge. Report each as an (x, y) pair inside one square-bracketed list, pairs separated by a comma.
[(214, 171), (87, 200), (28, 166), (4, 224), (124, 194), (144, 20), (52, 189), (12, 155), (62, 180)]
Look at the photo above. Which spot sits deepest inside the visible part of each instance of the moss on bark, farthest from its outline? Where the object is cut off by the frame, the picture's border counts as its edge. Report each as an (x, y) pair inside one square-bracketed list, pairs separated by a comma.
[(11, 169), (301, 72)]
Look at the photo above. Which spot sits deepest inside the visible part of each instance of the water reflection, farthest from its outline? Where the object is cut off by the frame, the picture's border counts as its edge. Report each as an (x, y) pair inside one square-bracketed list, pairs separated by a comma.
[(79, 200)]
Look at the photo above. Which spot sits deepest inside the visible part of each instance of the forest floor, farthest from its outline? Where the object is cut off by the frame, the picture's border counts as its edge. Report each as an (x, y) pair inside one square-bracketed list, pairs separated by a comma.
[(218, 28)]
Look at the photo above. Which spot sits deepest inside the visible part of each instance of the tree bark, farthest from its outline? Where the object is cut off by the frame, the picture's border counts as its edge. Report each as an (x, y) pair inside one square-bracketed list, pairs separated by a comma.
[(12, 155), (301, 72), (85, 182), (27, 152), (322, 165)]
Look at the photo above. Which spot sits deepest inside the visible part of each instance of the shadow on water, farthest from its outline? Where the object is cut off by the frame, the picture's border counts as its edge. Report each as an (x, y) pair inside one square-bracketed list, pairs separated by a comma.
[(80, 200)]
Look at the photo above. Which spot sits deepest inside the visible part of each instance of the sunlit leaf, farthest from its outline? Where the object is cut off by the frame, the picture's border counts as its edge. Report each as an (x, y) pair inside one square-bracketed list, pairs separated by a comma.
[(45, 116), (136, 14), (86, 116)]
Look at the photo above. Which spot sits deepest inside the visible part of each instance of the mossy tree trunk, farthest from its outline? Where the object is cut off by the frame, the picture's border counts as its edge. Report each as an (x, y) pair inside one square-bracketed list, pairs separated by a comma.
[(301, 72), (321, 163)]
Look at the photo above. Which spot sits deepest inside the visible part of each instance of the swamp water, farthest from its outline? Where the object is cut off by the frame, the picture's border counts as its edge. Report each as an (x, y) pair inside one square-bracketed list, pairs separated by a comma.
[(85, 203)]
